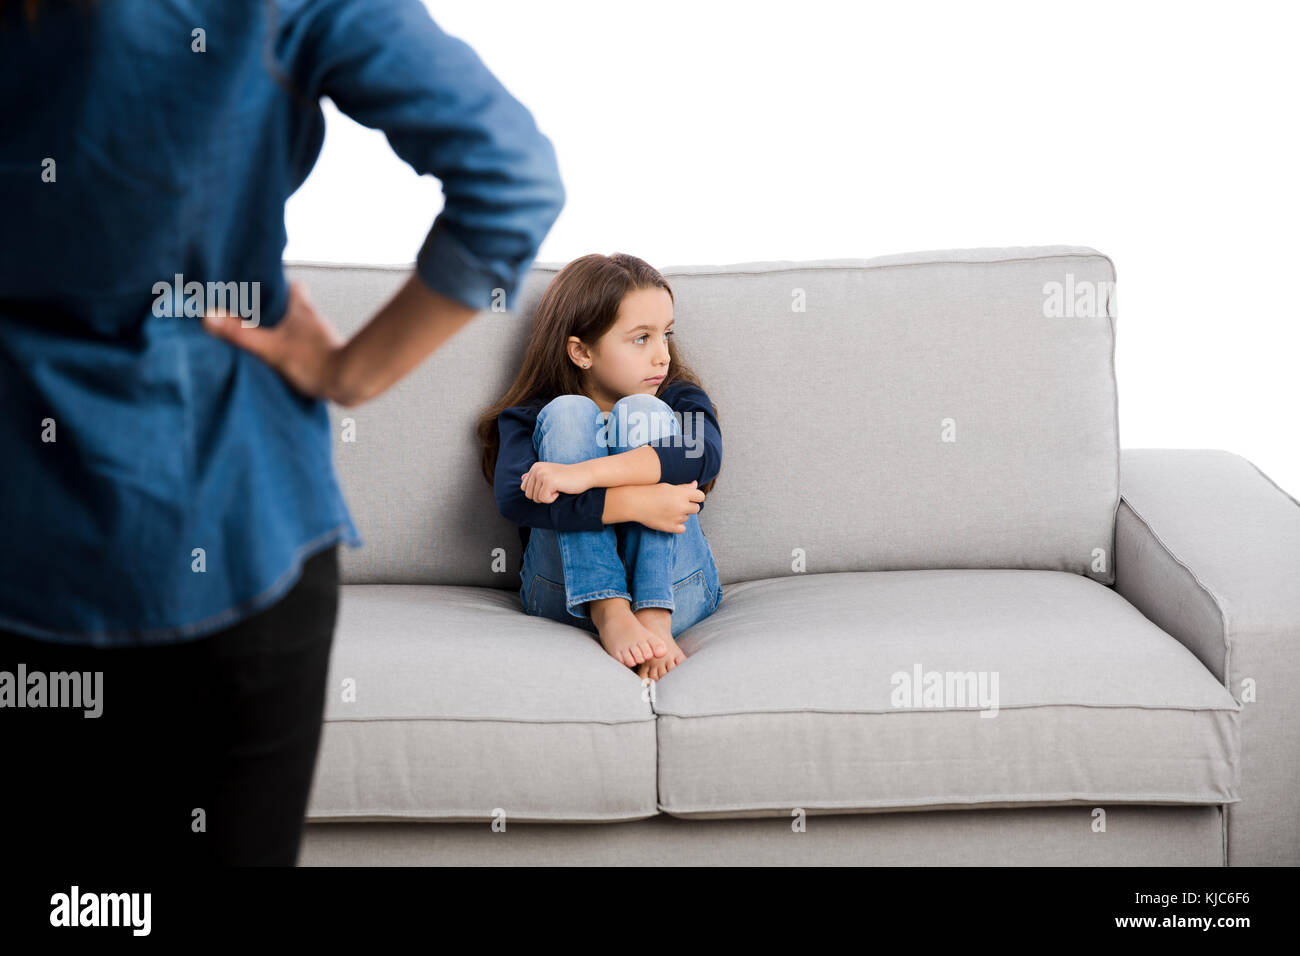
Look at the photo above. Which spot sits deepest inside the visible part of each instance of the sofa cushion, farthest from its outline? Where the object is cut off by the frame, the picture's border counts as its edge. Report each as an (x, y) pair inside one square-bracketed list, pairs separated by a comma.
[(450, 703), (791, 696)]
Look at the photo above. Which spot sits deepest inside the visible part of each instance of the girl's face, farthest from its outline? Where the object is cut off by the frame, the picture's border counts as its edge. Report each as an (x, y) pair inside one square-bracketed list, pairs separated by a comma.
[(632, 352)]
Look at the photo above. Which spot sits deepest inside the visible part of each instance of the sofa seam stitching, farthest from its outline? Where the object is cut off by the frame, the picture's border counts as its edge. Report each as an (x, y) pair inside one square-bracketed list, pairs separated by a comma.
[(1134, 800), (954, 710), (866, 265), (670, 270)]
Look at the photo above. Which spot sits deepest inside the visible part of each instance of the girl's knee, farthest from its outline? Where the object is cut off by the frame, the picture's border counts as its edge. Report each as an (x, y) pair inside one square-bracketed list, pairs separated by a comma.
[(569, 424), (638, 419), (646, 403), (566, 407)]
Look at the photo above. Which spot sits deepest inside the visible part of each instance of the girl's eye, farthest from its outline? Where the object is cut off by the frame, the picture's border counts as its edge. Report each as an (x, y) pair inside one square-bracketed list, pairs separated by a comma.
[(640, 337)]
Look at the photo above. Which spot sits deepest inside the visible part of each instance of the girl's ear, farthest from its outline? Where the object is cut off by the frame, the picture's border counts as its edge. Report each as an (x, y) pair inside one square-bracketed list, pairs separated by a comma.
[(575, 350)]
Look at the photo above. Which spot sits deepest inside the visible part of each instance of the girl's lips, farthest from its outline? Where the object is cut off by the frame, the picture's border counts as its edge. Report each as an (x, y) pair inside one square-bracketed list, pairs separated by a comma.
[(657, 378)]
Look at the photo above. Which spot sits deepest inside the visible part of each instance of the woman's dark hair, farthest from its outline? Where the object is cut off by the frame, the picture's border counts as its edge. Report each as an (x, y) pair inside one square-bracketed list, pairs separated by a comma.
[(583, 300)]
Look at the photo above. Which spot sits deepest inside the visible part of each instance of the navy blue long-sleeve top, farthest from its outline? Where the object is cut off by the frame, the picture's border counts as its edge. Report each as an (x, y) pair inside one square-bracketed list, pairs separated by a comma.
[(156, 482), (696, 455)]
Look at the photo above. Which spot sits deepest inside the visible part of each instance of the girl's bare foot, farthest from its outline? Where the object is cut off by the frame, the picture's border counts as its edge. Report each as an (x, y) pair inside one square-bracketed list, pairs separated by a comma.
[(622, 635), (660, 621)]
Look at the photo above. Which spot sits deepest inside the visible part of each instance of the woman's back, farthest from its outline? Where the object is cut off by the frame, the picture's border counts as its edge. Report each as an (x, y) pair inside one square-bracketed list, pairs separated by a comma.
[(161, 484)]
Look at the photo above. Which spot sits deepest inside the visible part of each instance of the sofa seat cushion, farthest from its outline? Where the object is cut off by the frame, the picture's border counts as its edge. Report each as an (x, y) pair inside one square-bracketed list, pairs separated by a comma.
[(793, 696), (449, 703)]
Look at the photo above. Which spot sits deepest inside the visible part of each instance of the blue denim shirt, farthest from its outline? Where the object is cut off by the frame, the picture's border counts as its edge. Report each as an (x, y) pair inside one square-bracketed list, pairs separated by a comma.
[(156, 483)]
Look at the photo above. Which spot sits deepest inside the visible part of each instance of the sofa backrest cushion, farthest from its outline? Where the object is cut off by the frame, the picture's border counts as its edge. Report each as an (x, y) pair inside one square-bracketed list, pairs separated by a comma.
[(950, 409)]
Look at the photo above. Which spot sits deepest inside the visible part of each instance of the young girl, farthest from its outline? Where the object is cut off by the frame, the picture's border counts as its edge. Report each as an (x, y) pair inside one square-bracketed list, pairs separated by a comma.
[(602, 451)]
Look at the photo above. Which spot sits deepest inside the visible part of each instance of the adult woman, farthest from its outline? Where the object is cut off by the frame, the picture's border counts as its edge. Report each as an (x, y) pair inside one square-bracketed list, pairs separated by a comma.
[(170, 507)]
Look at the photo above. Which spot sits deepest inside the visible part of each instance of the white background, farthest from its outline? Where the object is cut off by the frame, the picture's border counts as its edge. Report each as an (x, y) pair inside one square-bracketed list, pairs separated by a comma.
[(1164, 135)]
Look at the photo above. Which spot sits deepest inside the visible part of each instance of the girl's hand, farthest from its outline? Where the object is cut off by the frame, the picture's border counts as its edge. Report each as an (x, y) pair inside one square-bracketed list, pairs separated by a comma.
[(544, 481), (668, 507)]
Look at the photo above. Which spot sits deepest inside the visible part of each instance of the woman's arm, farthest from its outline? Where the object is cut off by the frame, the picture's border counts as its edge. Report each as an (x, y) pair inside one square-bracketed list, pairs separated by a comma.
[(308, 351), (388, 66), (409, 328)]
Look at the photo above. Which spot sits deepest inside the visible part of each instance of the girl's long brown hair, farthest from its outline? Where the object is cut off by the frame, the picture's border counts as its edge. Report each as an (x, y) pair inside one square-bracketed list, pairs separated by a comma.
[(583, 300)]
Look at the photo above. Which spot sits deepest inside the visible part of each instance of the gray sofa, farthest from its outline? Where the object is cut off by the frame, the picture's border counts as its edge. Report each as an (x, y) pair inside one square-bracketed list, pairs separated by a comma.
[(959, 625)]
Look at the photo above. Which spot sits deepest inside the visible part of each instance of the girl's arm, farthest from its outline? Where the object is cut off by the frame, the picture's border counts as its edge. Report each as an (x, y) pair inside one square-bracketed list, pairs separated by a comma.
[(697, 457), (660, 506), (621, 504), (640, 466)]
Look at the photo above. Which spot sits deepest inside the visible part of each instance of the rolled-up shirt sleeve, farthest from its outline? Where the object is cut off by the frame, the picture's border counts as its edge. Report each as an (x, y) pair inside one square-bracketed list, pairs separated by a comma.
[(386, 64)]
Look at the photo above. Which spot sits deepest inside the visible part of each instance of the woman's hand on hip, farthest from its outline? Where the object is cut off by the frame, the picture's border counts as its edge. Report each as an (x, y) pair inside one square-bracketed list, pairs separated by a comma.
[(303, 347)]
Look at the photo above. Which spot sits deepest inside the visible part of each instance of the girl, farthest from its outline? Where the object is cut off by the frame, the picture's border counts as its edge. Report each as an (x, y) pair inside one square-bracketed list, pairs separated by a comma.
[(602, 452)]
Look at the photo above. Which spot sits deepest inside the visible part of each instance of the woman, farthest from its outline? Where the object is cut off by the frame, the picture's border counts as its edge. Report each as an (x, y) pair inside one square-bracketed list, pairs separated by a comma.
[(170, 510)]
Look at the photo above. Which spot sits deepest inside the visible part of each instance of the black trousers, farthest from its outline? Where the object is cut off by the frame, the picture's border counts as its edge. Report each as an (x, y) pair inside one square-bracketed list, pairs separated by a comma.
[(203, 753)]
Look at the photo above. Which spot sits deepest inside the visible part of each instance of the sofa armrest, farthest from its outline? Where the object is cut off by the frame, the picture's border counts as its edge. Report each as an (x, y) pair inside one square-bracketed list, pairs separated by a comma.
[(1208, 548)]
